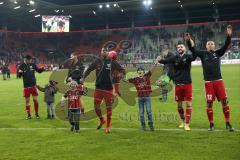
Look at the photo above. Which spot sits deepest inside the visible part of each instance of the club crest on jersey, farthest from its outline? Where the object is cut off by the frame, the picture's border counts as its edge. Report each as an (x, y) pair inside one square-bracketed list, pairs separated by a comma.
[(31, 68), (108, 66)]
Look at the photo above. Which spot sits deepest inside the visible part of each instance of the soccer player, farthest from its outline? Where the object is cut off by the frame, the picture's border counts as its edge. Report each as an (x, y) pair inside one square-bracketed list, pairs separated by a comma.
[(143, 87), (74, 106), (181, 62), (27, 71), (214, 86), (104, 85)]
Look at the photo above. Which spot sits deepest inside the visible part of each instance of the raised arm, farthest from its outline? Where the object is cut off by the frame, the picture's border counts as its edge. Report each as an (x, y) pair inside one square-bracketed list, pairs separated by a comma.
[(167, 60), (224, 48), (90, 68), (191, 46)]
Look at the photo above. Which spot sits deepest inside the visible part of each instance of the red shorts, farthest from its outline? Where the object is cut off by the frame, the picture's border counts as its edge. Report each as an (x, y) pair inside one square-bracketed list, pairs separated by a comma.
[(107, 95), (183, 92), (30, 90), (215, 89)]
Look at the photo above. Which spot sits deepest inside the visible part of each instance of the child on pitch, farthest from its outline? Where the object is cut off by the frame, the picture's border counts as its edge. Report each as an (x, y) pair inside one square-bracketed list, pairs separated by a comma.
[(162, 83), (74, 105), (143, 87), (49, 90)]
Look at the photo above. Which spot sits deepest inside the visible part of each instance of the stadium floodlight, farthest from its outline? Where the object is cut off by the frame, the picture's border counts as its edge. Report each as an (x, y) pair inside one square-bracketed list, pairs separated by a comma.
[(38, 15), (100, 6), (31, 2), (1, 3), (17, 7), (107, 5), (32, 10), (147, 2)]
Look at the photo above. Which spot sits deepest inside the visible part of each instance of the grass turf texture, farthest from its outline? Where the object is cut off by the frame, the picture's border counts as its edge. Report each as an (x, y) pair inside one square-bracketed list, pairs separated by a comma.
[(50, 143)]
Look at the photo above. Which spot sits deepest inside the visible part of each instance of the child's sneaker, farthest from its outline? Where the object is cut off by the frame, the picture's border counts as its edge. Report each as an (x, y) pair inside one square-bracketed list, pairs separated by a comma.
[(72, 128), (151, 128), (28, 117), (37, 116)]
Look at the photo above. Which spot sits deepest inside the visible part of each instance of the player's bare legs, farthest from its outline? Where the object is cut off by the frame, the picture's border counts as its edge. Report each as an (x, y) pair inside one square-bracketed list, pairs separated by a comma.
[(35, 101), (28, 108)]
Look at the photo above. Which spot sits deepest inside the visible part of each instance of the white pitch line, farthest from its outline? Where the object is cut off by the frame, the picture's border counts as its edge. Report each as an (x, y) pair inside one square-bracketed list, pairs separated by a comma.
[(123, 129)]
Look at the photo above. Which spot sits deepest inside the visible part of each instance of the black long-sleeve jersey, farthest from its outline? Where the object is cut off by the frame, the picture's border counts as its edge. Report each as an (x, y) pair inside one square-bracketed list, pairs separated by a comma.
[(104, 68), (211, 61), (28, 74), (169, 68), (182, 67)]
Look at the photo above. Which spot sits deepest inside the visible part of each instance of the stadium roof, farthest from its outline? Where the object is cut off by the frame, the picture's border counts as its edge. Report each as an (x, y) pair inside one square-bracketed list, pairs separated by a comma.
[(87, 14)]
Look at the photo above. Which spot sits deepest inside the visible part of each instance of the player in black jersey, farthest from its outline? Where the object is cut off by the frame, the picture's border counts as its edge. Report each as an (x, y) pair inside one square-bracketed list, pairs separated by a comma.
[(214, 86), (27, 72), (181, 62)]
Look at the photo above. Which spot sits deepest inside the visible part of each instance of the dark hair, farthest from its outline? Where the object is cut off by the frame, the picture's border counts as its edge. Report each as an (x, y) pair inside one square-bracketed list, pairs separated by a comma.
[(180, 43), (28, 57), (141, 68)]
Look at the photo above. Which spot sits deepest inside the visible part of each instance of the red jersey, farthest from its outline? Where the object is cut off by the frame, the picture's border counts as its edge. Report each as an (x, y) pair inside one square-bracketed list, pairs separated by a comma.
[(142, 84), (74, 97)]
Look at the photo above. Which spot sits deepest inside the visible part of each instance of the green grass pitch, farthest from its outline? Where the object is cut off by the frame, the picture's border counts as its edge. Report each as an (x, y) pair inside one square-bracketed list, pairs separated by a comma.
[(51, 139)]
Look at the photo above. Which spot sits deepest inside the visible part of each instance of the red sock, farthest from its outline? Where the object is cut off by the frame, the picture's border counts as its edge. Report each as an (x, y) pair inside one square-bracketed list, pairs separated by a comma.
[(226, 113), (181, 113), (188, 114), (102, 121), (210, 114), (109, 116), (99, 113), (35, 106), (28, 109)]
